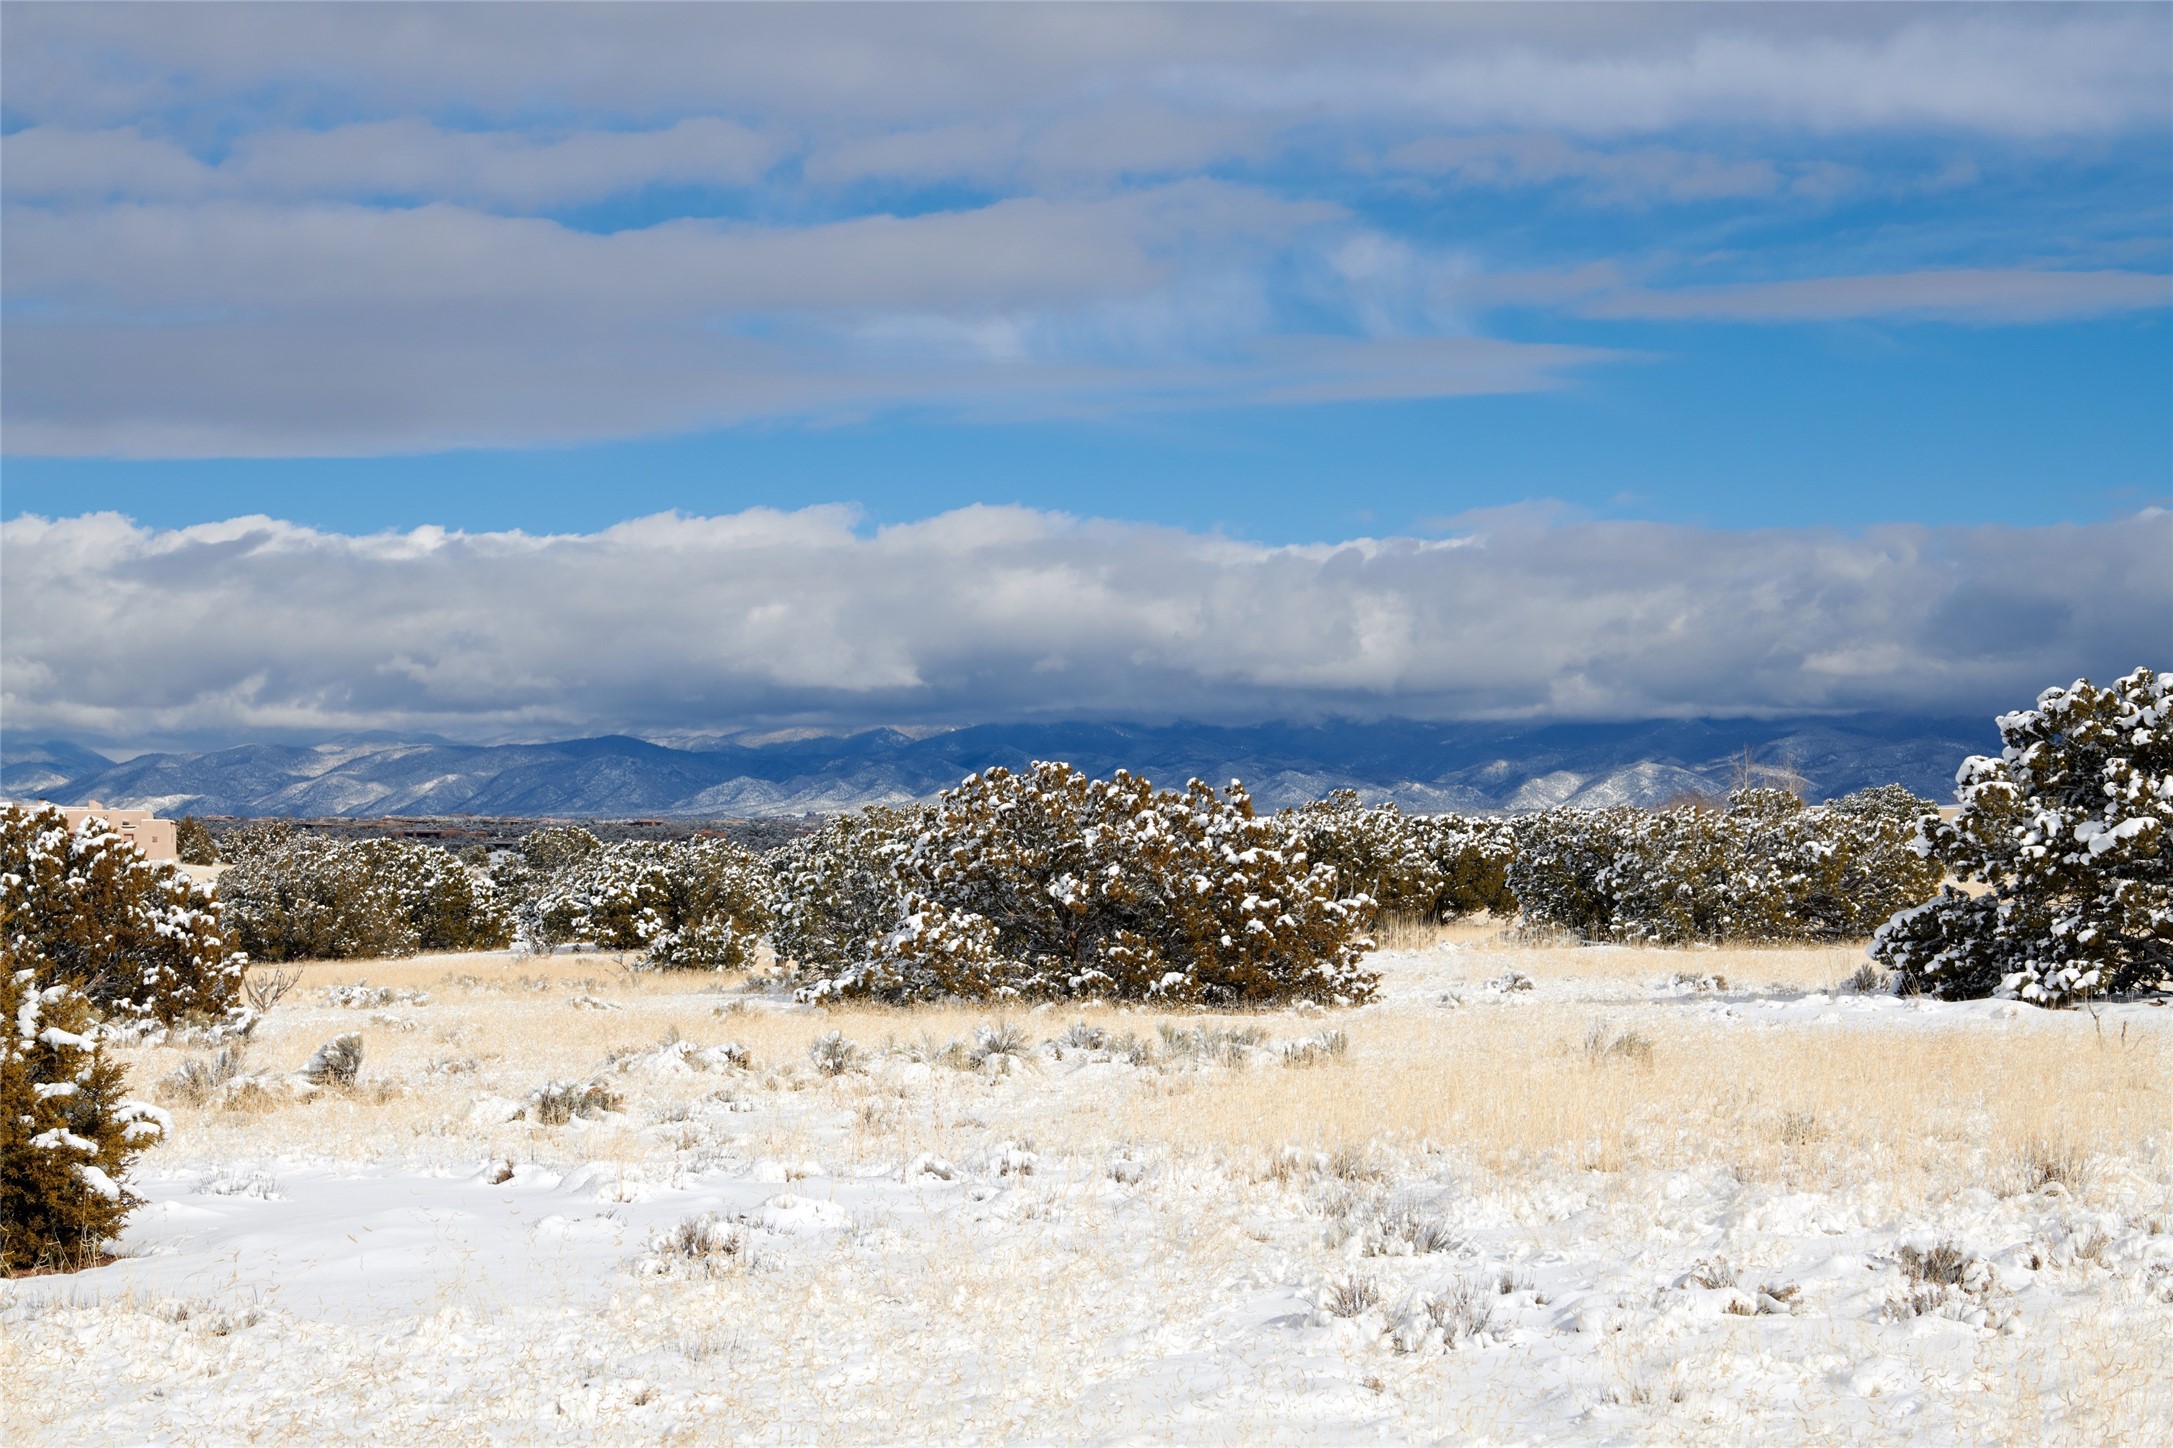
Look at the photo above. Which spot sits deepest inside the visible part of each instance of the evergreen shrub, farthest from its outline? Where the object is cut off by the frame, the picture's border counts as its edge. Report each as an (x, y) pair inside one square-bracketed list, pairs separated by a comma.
[(2065, 838)]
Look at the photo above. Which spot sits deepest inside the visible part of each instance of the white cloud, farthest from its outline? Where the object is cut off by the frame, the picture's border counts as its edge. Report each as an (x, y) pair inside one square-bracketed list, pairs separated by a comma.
[(231, 328), (244, 258), (1962, 294), (252, 626), (2019, 74), (1635, 176), (406, 158), (1589, 69), (1123, 136)]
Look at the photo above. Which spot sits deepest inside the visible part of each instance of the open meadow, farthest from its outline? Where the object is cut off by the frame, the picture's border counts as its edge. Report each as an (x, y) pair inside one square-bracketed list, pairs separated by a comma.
[(1619, 1194)]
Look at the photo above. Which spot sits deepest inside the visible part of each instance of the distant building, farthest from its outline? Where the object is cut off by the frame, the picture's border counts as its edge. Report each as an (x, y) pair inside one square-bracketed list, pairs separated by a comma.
[(155, 837)]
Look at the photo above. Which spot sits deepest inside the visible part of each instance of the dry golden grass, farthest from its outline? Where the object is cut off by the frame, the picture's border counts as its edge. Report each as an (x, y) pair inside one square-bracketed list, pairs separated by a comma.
[(1928, 1109), (1504, 1087)]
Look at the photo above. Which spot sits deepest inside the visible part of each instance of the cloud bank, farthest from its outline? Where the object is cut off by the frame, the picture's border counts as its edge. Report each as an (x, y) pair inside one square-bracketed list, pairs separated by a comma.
[(249, 230), (254, 628)]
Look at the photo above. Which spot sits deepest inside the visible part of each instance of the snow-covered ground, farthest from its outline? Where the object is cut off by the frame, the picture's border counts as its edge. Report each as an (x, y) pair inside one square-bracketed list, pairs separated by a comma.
[(1529, 1195)]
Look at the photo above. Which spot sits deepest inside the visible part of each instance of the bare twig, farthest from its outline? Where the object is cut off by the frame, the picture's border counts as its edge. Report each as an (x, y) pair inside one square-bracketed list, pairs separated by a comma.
[(264, 990)]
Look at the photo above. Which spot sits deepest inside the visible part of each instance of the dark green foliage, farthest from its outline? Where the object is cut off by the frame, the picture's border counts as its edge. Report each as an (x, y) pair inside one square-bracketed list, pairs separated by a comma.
[(193, 842), (1473, 856), (839, 888), (1374, 852), (136, 938), (2066, 834), (689, 903), (556, 848), (449, 904), (66, 1134), (1768, 868), (290, 895), (1439, 867), (1051, 883), (88, 927)]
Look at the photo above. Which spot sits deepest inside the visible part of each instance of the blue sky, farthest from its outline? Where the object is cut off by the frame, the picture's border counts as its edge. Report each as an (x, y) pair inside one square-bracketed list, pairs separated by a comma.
[(1277, 275), (1840, 426)]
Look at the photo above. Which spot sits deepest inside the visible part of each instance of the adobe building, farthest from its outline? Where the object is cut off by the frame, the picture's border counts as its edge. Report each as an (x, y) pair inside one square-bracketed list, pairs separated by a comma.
[(155, 837)]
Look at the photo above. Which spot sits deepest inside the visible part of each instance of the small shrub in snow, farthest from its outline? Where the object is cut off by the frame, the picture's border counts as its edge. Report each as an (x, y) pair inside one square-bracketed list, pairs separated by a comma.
[(67, 1136), (707, 1246), (1710, 1273), (2046, 1163), (364, 996), (558, 1102), (338, 1062), (1010, 1159), (266, 988), (200, 1081), (1402, 1231), (1463, 1314), (1947, 1280), (1350, 1295), (208, 1318), (1083, 1037), (833, 1055), (227, 1181), (1128, 1169), (1869, 979), (928, 1165), (1316, 1050), (2069, 830), (1602, 1044), (1353, 1163), (1211, 1045), (999, 1049)]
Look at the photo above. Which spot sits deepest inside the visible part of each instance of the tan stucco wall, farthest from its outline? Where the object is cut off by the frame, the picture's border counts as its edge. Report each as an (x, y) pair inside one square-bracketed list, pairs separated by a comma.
[(154, 836)]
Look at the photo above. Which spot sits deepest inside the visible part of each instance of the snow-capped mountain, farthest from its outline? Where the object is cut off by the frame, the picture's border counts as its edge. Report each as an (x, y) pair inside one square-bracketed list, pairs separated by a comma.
[(40, 769), (1421, 766)]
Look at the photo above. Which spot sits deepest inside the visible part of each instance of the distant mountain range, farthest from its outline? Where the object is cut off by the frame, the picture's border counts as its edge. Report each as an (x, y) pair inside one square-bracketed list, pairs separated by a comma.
[(1427, 767)]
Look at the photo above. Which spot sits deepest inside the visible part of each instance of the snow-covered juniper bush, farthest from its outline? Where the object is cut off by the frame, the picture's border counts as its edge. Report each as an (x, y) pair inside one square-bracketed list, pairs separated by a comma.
[(1767, 868), (290, 895), (1049, 883), (86, 909), (839, 888), (1438, 867), (2066, 833), (696, 903), (193, 842), (66, 1133), (88, 929)]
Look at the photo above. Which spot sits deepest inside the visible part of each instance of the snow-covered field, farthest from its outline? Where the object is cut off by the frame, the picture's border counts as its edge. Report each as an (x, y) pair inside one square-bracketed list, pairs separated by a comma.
[(1531, 1195)]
